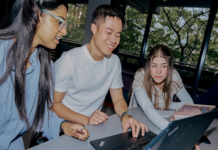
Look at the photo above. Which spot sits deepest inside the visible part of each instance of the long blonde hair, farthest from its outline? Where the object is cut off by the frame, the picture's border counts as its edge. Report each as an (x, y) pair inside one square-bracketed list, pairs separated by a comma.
[(164, 52)]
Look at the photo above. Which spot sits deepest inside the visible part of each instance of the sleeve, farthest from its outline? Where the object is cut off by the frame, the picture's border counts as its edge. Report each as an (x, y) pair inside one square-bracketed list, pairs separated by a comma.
[(4, 47), (17, 144), (177, 81), (51, 124), (148, 108), (184, 96), (117, 80), (63, 73), (180, 91), (145, 103), (138, 80), (209, 98)]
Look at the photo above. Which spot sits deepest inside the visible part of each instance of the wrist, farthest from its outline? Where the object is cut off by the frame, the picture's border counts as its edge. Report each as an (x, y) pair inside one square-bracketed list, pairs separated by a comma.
[(62, 126), (125, 114), (86, 121)]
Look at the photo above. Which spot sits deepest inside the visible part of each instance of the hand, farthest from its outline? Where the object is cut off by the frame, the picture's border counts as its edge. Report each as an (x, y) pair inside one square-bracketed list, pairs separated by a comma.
[(197, 147), (135, 125), (98, 117), (75, 130)]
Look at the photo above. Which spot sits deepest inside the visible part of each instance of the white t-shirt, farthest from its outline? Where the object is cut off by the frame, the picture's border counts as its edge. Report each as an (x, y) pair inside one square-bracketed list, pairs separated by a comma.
[(85, 80)]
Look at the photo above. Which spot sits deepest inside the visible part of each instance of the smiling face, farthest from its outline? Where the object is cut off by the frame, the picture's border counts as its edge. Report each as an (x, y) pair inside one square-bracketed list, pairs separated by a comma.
[(158, 69), (106, 37), (48, 33)]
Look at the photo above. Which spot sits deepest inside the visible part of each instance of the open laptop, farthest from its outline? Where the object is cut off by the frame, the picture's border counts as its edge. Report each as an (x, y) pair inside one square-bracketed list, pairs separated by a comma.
[(180, 135)]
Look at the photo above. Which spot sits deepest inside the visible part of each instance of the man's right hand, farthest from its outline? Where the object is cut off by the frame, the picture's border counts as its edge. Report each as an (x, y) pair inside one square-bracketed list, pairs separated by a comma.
[(98, 117), (76, 130)]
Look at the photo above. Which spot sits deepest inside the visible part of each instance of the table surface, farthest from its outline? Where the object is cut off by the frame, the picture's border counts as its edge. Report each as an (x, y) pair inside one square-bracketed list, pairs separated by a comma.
[(112, 127)]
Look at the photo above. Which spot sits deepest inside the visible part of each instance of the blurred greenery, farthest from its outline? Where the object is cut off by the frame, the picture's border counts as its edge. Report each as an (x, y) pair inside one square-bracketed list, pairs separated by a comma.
[(181, 29), (76, 22)]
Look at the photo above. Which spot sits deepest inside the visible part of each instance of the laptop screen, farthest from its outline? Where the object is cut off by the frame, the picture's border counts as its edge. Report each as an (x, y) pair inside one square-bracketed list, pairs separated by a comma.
[(182, 134)]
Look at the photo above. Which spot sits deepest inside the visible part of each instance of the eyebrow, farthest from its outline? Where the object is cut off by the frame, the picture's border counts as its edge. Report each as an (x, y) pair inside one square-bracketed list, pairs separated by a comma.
[(112, 30), (161, 64)]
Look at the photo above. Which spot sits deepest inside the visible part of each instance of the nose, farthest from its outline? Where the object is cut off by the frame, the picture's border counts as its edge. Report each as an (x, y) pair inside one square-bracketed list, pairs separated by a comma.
[(64, 31), (113, 38), (158, 70)]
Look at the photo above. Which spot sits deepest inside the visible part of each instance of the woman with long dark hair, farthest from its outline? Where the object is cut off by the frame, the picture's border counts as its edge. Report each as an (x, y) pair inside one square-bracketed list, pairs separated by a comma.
[(155, 85), (26, 72)]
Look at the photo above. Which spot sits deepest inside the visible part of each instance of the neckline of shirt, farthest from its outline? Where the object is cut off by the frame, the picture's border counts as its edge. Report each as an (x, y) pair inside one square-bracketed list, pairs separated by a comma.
[(90, 57)]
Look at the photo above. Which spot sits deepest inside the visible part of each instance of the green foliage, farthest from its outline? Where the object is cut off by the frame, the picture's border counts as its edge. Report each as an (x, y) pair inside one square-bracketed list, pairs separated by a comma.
[(76, 22), (182, 29), (131, 39)]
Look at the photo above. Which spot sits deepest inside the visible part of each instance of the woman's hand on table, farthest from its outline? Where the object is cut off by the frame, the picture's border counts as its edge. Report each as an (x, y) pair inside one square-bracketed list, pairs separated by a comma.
[(76, 130)]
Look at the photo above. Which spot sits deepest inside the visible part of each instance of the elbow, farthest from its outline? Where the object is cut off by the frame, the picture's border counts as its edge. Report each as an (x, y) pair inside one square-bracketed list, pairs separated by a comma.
[(54, 107)]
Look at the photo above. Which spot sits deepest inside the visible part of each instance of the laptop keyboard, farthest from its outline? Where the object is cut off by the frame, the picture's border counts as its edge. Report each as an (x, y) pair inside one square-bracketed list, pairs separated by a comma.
[(123, 141), (133, 147), (136, 146)]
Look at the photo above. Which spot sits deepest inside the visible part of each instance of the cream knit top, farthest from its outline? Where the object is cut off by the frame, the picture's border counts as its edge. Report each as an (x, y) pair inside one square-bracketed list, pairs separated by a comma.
[(141, 98)]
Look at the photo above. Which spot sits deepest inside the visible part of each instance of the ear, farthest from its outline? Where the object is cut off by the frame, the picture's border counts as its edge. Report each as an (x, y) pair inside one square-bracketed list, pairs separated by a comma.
[(93, 28), (40, 18)]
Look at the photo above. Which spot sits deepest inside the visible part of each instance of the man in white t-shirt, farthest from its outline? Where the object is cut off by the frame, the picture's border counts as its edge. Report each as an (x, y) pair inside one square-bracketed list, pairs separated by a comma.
[(84, 75)]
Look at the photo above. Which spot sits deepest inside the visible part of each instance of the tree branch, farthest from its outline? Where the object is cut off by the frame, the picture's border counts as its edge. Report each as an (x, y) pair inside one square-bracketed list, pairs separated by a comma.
[(192, 18), (187, 36), (196, 42), (175, 50), (177, 33), (178, 16)]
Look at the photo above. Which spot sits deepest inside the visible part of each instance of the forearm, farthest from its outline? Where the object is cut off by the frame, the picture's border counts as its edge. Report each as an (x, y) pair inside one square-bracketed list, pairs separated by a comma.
[(64, 112), (184, 96), (51, 125), (148, 108), (120, 106), (156, 117)]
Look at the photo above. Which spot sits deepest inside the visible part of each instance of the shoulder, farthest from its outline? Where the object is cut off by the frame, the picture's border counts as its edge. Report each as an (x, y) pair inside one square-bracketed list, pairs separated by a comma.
[(140, 74), (139, 79), (176, 76), (5, 45), (113, 61), (70, 56), (75, 52), (6, 42), (177, 81), (114, 58)]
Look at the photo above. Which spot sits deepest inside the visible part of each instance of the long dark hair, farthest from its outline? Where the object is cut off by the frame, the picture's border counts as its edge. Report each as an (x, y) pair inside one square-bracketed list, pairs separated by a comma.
[(21, 26)]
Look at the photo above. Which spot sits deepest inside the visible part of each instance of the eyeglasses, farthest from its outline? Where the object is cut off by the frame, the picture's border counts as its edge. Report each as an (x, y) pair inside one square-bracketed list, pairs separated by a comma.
[(63, 22)]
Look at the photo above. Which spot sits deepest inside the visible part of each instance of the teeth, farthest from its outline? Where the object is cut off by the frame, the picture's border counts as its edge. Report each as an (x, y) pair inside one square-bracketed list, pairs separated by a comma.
[(58, 38), (110, 46)]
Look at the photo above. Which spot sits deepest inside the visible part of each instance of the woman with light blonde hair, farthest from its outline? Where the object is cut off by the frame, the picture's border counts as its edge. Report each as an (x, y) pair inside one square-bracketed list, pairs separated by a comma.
[(155, 85)]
